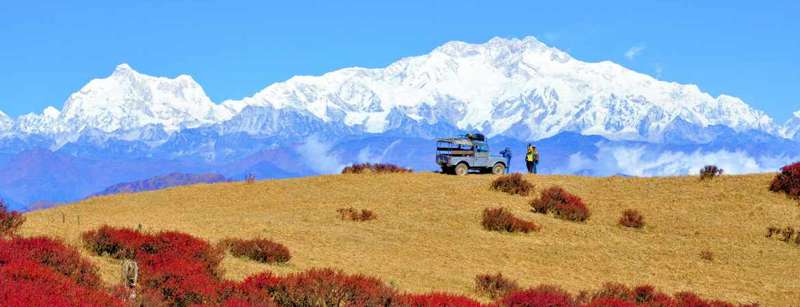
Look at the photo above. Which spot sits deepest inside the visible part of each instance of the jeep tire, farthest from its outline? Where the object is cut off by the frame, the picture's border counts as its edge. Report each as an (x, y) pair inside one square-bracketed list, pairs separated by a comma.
[(461, 169), (498, 169)]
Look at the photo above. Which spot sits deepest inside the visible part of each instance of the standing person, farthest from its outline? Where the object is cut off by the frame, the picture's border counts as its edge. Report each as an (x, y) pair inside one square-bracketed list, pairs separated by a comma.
[(529, 159), (506, 153), (532, 159)]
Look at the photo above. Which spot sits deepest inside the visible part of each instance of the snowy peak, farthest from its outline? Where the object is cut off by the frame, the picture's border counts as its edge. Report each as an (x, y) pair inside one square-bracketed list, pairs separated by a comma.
[(5, 122), (123, 69), (498, 48), (791, 129), (44, 123), (516, 87), (129, 100)]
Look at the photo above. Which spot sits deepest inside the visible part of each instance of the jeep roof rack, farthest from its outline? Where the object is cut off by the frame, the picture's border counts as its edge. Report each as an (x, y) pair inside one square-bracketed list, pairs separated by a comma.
[(476, 136)]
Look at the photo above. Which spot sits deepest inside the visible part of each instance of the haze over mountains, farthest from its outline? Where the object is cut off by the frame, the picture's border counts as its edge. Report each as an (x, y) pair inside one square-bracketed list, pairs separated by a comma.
[(595, 118)]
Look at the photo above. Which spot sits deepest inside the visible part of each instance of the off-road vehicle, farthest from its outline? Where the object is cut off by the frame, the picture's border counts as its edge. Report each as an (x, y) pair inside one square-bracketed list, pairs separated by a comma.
[(459, 155)]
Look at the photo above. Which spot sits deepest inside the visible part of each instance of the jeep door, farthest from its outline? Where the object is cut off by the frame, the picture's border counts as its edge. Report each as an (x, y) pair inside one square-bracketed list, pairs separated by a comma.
[(481, 155)]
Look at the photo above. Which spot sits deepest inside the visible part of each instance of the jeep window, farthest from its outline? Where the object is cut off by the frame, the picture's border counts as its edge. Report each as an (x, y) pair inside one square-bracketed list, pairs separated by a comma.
[(483, 148)]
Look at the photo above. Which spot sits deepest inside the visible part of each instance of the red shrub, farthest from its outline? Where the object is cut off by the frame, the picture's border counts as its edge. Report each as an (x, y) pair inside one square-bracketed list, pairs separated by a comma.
[(572, 211), (261, 250), (326, 287), (52, 254), (631, 218), (540, 296), (787, 233), (691, 299), (660, 300), (119, 243), (609, 302), (499, 219), (175, 268), (707, 255), (562, 204), (614, 291), (263, 281), (10, 221), (512, 184), (644, 294), (28, 283), (172, 244), (353, 214), (178, 281), (710, 171), (245, 302), (788, 181), (614, 294), (437, 300), (378, 168), (494, 286)]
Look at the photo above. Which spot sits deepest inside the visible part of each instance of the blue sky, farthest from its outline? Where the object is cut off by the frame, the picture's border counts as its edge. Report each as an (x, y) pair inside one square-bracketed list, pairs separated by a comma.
[(235, 48)]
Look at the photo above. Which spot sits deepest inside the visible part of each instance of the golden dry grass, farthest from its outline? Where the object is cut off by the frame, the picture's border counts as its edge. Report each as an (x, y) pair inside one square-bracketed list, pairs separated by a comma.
[(428, 236)]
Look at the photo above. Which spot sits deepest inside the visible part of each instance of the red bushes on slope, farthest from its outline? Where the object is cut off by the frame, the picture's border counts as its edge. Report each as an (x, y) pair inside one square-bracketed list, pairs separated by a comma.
[(377, 168), (261, 250), (352, 214), (512, 184), (562, 204), (437, 299), (177, 245), (787, 181), (540, 296), (494, 286), (499, 219), (326, 287), (52, 254), (632, 219), (710, 172), (178, 269), (119, 243), (27, 283), (10, 221), (610, 295), (43, 272)]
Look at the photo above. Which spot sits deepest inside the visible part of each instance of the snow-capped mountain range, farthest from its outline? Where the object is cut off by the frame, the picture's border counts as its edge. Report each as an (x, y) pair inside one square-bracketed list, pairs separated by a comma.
[(519, 88), (586, 118)]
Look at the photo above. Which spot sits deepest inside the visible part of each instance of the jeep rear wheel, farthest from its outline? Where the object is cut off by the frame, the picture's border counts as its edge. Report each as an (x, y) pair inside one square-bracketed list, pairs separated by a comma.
[(461, 169), (498, 169)]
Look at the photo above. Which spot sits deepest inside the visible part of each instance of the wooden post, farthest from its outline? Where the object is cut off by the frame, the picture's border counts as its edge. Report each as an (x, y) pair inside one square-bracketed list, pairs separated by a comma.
[(130, 276)]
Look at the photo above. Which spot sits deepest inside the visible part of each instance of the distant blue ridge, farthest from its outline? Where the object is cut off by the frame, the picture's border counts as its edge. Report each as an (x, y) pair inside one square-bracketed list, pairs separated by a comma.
[(32, 175)]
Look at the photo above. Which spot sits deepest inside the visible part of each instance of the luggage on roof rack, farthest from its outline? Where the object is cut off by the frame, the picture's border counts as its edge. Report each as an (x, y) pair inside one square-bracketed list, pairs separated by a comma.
[(476, 137)]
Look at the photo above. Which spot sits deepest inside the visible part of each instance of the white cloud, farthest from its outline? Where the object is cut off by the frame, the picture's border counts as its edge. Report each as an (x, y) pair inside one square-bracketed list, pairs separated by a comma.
[(645, 162), (318, 156), (659, 69), (634, 51), (365, 154)]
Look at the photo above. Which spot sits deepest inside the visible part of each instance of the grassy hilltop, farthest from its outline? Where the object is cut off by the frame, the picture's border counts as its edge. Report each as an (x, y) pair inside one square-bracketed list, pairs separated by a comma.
[(428, 236)]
